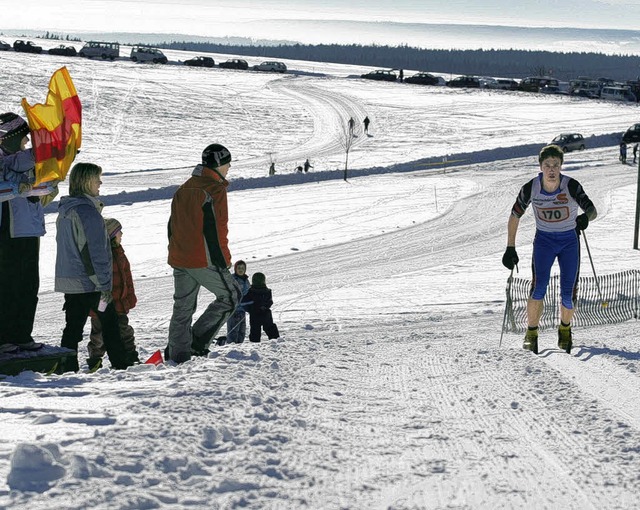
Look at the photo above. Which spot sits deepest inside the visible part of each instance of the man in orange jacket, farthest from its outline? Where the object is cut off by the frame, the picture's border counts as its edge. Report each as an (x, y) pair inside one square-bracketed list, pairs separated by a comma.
[(200, 257)]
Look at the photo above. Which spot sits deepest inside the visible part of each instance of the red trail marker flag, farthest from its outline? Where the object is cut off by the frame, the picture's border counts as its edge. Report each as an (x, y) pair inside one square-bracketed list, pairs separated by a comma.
[(56, 128)]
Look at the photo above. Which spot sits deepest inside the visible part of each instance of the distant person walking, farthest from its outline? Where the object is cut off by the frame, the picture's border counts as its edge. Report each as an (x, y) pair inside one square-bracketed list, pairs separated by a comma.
[(401, 75), (352, 125), (307, 165), (623, 153), (635, 152), (272, 169), (366, 122)]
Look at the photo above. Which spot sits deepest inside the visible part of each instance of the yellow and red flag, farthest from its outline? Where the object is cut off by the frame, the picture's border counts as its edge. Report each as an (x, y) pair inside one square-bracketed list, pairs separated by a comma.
[(56, 128)]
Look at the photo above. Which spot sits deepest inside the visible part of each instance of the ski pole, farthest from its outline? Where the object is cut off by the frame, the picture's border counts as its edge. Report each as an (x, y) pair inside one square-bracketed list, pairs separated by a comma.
[(603, 302), (506, 306)]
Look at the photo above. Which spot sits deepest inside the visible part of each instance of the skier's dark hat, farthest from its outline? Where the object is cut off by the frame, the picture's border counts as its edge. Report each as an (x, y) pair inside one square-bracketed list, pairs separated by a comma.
[(215, 156)]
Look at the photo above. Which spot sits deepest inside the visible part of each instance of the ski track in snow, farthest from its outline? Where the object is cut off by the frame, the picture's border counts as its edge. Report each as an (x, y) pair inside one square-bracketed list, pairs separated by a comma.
[(387, 390)]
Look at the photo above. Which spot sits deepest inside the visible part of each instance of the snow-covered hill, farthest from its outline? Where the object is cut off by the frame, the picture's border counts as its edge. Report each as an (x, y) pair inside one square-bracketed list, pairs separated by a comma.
[(387, 388)]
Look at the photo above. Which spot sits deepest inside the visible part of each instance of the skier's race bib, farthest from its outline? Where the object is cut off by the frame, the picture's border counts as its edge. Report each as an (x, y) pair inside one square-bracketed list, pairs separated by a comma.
[(553, 214)]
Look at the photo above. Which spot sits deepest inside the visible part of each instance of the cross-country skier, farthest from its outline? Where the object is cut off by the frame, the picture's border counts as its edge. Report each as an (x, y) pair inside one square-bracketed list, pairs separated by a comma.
[(556, 199)]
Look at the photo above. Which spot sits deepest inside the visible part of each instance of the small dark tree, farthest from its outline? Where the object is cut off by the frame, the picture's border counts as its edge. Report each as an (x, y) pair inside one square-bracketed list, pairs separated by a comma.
[(347, 136)]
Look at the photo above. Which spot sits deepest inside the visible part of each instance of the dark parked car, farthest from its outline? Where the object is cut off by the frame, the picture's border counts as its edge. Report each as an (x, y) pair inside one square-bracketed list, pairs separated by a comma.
[(423, 79), (26, 46), (68, 51), (234, 63), (535, 83), (570, 142), (470, 82), (380, 74), (4, 46), (632, 135), (200, 62)]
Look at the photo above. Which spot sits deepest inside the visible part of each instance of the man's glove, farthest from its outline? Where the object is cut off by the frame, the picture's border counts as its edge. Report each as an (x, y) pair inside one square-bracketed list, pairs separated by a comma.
[(510, 257), (582, 221)]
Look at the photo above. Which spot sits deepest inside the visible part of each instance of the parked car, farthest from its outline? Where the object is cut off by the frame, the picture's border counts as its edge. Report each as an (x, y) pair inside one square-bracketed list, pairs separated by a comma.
[(423, 79), (570, 142), (68, 51), (200, 62), (104, 50), (618, 94), (4, 46), (147, 54), (503, 84), (271, 66), (471, 82), (26, 46), (535, 83), (235, 63), (632, 135), (380, 74)]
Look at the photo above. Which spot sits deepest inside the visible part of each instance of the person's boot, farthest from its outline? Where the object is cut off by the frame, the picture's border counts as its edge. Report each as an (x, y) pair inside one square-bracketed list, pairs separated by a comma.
[(531, 341), (132, 357), (69, 363), (564, 338), (94, 364)]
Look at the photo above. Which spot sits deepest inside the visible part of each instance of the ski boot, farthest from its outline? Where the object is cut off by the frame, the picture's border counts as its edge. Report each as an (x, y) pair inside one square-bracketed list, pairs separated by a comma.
[(564, 338), (531, 341)]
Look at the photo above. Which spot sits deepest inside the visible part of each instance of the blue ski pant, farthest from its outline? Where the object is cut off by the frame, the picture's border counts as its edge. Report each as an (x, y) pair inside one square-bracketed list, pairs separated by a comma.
[(547, 247)]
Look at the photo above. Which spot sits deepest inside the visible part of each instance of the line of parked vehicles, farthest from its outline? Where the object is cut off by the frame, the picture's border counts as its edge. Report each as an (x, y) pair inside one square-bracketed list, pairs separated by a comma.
[(600, 88), (111, 51)]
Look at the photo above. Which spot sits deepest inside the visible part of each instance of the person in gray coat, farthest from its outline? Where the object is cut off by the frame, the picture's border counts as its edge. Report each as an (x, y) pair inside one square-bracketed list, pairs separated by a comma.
[(84, 265)]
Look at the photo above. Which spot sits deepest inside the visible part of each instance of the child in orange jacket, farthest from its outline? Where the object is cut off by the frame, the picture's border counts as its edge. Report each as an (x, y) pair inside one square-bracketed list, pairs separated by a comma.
[(124, 299)]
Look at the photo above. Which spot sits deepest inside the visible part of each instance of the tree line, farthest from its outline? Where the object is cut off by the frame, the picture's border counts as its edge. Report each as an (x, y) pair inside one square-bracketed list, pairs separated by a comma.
[(500, 63)]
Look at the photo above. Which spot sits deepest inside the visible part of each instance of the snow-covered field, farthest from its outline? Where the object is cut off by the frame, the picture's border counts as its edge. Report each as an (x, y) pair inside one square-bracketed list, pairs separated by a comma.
[(387, 389)]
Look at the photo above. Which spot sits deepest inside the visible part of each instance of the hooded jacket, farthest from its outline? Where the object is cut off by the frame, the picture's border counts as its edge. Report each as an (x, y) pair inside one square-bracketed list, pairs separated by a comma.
[(83, 258), (20, 216), (123, 292), (198, 226)]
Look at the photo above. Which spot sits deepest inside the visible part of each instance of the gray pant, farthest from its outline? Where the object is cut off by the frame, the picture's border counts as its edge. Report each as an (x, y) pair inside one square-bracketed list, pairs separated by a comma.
[(96, 343), (187, 283)]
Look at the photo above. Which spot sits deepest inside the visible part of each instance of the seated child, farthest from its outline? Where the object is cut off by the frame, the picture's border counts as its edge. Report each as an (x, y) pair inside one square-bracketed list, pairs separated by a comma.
[(258, 303), (124, 299)]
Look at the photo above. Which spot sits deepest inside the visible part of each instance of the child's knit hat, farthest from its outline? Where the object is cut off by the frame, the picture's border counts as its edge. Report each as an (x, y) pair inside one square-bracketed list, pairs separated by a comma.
[(113, 227), (13, 129), (259, 280)]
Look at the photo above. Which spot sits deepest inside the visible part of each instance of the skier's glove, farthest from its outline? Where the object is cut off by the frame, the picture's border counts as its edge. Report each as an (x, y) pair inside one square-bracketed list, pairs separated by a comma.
[(582, 221), (510, 257), (106, 296)]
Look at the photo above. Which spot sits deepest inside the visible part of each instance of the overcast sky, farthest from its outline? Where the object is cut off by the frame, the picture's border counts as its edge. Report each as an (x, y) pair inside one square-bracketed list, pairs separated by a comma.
[(219, 18)]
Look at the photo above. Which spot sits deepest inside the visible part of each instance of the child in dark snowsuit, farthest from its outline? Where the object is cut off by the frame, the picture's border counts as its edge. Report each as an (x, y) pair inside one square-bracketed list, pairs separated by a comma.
[(258, 303)]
